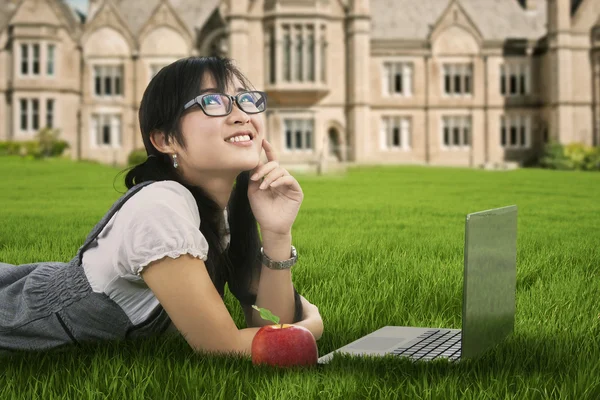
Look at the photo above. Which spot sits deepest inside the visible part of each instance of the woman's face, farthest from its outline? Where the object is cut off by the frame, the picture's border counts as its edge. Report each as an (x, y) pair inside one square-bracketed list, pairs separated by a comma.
[(206, 147)]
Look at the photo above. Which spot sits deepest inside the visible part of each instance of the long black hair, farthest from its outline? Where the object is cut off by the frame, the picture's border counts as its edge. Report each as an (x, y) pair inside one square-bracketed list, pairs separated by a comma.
[(161, 110)]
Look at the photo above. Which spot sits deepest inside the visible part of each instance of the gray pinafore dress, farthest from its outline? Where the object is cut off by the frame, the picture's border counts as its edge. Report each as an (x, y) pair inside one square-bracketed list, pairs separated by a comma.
[(45, 305)]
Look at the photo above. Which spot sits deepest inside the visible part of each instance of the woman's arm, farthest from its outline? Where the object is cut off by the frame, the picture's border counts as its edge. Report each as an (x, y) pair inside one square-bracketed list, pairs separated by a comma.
[(275, 289)]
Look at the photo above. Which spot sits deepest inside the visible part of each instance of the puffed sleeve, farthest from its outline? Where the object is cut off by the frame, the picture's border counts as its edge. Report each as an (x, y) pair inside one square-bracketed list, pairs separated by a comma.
[(162, 219)]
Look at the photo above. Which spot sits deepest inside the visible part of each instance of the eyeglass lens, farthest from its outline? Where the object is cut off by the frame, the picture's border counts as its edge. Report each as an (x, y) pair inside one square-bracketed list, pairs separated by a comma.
[(219, 104)]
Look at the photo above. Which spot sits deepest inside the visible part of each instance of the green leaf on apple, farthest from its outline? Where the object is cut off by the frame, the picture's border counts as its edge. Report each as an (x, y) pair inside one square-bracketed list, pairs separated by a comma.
[(266, 314)]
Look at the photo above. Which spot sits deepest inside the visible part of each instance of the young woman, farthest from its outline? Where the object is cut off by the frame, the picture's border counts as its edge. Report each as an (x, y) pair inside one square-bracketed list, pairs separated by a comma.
[(159, 259)]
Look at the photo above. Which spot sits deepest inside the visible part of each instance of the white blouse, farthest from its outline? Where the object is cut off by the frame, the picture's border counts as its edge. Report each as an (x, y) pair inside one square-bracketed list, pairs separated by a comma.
[(160, 220)]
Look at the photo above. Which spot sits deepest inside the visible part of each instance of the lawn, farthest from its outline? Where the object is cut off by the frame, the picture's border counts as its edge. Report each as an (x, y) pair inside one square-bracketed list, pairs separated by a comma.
[(379, 246)]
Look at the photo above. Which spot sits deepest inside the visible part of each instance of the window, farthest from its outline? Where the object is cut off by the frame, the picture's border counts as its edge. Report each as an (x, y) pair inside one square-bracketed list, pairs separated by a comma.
[(287, 54), (50, 113), (31, 62), (298, 134), (272, 57), (24, 114), (106, 130), (458, 79), (311, 53), (395, 132), (30, 59), (24, 59), (36, 59), (397, 78), (299, 62), (515, 131), (456, 131), (108, 80), (298, 51), (29, 111), (35, 114), (50, 60), (514, 79)]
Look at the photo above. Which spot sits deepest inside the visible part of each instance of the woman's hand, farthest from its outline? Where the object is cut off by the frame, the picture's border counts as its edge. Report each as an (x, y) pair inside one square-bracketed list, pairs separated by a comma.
[(276, 201), (311, 318), (309, 310)]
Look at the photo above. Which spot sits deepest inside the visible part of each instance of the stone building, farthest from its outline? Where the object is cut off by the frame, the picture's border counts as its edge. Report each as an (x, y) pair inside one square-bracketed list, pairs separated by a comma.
[(440, 82)]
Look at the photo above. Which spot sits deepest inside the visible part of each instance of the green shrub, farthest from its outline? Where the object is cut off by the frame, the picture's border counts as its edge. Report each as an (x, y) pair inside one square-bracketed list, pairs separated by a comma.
[(32, 148), (10, 148), (58, 148), (574, 156), (592, 162), (137, 156), (45, 144)]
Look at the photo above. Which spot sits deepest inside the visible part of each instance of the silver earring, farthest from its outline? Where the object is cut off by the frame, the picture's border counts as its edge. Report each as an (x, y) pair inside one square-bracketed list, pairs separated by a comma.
[(175, 161)]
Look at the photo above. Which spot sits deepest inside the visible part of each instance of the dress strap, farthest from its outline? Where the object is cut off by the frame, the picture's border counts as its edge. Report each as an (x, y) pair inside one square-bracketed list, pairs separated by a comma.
[(102, 223)]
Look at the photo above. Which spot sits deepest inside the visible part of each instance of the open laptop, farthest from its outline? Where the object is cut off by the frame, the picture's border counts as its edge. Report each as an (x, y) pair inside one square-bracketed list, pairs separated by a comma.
[(488, 314)]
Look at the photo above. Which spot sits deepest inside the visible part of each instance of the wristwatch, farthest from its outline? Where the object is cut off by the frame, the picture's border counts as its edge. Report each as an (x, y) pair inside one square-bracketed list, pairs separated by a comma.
[(285, 264)]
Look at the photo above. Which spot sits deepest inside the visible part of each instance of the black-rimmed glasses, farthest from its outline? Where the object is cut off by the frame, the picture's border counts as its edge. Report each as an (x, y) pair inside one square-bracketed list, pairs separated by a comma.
[(221, 104)]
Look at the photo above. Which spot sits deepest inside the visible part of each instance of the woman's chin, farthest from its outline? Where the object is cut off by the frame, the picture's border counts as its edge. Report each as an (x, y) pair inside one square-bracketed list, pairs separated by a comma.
[(248, 163)]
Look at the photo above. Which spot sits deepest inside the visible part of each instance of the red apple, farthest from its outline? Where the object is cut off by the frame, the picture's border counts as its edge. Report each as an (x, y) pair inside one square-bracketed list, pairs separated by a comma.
[(284, 345)]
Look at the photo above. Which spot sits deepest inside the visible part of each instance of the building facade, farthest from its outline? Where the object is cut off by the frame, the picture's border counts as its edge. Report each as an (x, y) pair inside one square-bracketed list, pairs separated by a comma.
[(440, 82)]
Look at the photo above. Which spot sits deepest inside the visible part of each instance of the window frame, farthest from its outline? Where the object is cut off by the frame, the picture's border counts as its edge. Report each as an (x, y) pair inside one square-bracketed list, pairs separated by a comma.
[(464, 121), (523, 124), (34, 116), (390, 69), (96, 119), (112, 66), (464, 71), (404, 123), (306, 124), (40, 61), (299, 49), (521, 70)]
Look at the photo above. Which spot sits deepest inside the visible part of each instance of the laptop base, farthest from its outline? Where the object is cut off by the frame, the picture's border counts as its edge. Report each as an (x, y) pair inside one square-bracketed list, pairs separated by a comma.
[(418, 344)]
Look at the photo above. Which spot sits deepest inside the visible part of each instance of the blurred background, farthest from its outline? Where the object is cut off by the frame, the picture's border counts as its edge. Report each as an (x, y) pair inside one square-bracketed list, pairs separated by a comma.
[(478, 83)]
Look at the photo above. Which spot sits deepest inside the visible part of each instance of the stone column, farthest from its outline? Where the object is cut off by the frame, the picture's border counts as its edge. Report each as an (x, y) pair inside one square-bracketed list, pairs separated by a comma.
[(559, 41), (238, 33), (358, 65), (596, 96)]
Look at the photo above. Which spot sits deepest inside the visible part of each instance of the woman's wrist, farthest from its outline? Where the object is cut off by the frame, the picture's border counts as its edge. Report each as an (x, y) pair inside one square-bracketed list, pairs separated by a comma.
[(277, 247)]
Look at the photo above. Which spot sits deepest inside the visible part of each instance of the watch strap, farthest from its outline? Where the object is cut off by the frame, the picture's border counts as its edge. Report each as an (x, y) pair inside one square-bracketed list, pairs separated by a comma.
[(285, 264)]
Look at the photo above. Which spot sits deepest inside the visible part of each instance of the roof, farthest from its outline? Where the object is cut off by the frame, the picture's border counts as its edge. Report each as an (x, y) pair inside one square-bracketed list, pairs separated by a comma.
[(193, 13), (8, 8), (495, 19)]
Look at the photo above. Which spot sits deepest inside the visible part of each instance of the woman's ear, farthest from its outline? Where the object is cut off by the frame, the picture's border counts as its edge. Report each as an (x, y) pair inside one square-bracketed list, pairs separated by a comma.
[(160, 142)]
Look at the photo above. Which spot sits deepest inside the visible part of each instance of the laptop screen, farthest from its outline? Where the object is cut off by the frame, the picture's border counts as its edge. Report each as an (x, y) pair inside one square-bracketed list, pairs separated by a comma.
[(490, 279)]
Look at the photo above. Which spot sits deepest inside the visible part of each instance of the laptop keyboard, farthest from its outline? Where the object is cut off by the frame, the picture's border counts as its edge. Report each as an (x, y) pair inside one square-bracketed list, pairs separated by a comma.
[(433, 344)]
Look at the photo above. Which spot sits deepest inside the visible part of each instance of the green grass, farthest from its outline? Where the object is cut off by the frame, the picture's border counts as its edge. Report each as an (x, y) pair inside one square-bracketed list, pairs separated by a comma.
[(380, 246)]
